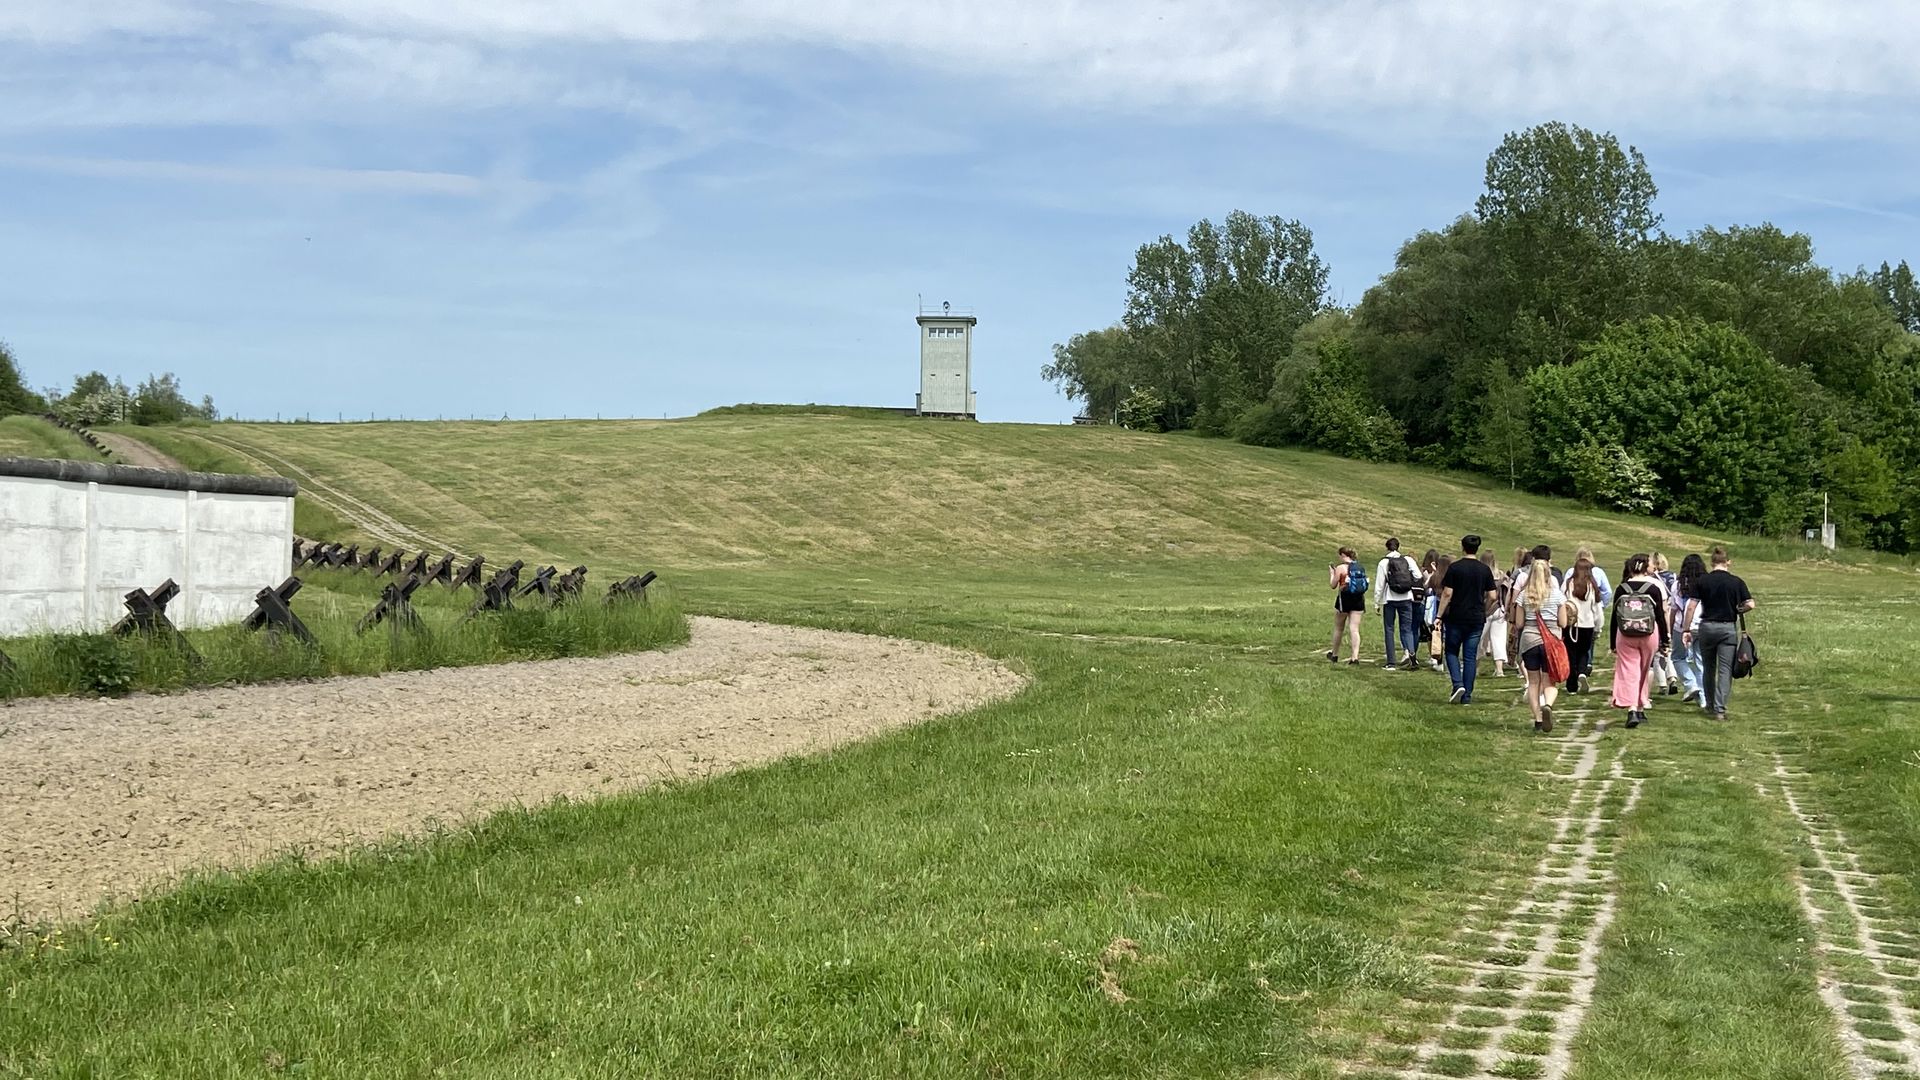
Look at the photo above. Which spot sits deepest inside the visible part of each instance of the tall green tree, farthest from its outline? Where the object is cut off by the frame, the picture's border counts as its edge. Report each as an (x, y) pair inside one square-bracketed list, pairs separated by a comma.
[(1443, 301), (1863, 492), (1894, 406), (14, 395), (89, 384), (95, 399), (1099, 368), (1568, 214), (158, 400), (1501, 442), (1896, 285), (1209, 317), (1765, 283)]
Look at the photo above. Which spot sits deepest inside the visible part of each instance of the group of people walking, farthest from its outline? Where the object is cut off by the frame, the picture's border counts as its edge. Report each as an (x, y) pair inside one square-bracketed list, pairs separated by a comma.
[(1675, 631)]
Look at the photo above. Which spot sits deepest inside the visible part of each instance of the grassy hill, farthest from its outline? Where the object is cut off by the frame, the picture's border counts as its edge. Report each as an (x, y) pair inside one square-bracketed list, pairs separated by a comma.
[(30, 436), (739, 490), (1191, 848)]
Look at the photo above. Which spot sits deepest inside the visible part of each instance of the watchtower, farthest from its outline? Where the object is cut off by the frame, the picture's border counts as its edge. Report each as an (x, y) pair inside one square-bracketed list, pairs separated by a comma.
[(946, 362)]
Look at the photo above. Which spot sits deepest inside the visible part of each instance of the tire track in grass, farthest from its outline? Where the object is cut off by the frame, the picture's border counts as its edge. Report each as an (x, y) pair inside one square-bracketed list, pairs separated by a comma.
[(1870, 968), (1517, 991), (357, 512), (382, 535)]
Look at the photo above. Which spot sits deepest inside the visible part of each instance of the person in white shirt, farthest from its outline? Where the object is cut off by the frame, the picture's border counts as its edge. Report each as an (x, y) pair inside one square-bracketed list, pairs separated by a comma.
[(1539, 608), (1393, 604), (1599, 575), (1493, 642), (1663, 671), (1584, 587)]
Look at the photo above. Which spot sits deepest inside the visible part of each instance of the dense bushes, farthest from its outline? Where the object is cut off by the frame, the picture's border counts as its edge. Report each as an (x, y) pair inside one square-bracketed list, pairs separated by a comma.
[(95, 399), (1319, 399), (1694, 402)]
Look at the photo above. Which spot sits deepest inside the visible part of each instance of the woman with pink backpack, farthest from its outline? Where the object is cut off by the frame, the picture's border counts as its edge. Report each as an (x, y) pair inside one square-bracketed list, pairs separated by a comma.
[(1637, 633)]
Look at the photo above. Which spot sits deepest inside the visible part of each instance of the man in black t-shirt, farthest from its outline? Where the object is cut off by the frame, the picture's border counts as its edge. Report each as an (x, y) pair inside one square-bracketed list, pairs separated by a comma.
[(1723, 598), (1466, 595)]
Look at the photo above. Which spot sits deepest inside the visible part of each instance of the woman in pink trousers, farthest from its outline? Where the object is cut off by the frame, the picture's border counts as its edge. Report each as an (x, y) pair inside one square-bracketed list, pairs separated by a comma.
[(1636, 633)]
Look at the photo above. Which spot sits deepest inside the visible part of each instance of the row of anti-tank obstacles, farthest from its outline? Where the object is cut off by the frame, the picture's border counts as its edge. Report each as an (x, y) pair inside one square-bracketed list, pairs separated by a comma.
[(273, 614), (496, 592), (81, 430)]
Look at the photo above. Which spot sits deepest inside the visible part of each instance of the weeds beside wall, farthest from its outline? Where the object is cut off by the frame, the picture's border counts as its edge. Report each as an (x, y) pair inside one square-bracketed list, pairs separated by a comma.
[(331, 604)]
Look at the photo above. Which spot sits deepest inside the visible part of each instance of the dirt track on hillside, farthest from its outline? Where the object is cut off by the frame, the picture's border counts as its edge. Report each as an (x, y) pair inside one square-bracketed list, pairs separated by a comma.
[(108, 797), (128, 451)]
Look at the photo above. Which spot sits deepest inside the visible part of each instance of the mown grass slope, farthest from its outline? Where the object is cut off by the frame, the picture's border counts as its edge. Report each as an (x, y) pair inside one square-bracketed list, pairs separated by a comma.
[(1191, 848), (30, 436), (739, 490)]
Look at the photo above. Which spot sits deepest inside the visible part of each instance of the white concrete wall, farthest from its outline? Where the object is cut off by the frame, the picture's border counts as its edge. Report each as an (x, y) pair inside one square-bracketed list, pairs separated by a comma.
[(69, 551)]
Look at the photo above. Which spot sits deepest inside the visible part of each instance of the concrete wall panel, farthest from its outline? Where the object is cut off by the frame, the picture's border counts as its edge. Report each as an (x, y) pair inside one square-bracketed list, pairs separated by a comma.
[(71, 549)]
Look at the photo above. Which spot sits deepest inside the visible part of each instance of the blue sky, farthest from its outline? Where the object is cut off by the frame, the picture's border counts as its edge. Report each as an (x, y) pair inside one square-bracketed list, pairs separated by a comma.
[(344, 207)]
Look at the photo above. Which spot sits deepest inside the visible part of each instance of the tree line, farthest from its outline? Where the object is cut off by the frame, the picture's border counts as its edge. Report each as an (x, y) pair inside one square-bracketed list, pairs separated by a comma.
[(1555, 337), (96, 399)]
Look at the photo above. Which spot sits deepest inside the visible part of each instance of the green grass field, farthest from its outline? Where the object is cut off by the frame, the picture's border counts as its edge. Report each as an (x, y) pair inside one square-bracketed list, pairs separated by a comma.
[(30, 436), (1190, 848)]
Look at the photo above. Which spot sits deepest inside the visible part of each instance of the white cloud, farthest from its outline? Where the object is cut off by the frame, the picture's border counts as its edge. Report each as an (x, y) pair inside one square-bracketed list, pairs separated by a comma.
[(1653, 65), (1671, 64), (1660, 62), (399, 181), (62, 21)]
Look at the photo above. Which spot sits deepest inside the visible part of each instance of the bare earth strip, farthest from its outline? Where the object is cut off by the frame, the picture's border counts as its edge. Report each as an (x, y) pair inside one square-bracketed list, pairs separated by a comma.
[(108, 797), (134, 452)]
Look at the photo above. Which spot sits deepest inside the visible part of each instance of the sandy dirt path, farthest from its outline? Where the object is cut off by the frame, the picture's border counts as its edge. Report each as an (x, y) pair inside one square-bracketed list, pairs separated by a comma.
[(107, 797), (128, 451)]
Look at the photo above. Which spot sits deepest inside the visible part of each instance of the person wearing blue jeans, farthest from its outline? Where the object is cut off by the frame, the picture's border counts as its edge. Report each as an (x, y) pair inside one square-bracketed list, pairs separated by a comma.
[(1463, 657), (1397, 605), (1403, 613), (1686, 651), (1466, 595)]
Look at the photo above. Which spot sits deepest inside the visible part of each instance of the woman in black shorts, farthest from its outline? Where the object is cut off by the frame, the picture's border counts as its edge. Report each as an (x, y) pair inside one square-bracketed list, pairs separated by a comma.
[(1538, 604), (1348, 603)]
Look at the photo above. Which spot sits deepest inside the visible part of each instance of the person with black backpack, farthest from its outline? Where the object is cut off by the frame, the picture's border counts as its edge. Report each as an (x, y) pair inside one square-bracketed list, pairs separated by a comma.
[(1394, 580), (1724, 602), (1637, 632), (1349, 582)]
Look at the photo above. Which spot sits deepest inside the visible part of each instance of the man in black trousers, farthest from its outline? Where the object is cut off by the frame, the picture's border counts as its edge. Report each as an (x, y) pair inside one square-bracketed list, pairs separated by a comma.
[(1723, 599)]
